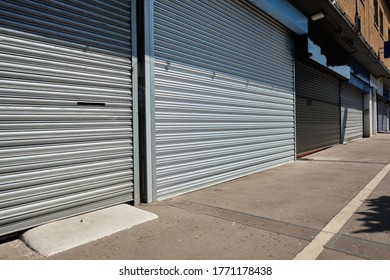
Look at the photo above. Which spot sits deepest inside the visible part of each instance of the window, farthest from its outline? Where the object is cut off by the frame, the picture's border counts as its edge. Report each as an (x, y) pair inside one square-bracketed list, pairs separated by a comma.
[(376, 13), (381, 22)]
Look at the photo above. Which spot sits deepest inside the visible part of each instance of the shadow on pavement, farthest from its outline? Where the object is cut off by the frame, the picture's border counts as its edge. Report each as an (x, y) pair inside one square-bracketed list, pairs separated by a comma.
[(9, 237), (377, 218)]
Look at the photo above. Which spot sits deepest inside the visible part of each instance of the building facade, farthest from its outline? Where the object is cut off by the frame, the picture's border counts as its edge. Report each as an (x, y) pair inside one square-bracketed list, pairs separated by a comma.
[(371, 19), (347, 38), (119, 101)]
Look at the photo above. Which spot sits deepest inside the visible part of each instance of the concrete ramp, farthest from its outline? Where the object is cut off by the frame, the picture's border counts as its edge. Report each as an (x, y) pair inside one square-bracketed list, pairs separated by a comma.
[(59, 236)]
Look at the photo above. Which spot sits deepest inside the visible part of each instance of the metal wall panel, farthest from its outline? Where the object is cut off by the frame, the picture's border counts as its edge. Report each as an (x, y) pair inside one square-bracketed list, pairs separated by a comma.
[(382, 115), (351, 113), (317, 108), (224, 93), (66, 132)]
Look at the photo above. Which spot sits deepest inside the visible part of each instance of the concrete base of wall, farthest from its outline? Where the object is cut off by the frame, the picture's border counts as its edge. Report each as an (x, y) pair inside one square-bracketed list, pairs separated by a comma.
[(59, 236)]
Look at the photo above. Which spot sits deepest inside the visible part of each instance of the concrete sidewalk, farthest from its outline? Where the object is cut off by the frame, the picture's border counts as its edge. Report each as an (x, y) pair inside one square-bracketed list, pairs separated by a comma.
[(272, 214)]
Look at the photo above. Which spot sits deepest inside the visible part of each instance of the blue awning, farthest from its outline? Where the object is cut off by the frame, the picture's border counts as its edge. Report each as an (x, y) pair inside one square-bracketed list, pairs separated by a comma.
[(285, 13)]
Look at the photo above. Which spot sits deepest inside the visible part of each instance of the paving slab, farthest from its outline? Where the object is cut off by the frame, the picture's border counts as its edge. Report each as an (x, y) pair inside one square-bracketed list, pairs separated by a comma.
[(367, 232), (268, 215), (305, 193), (328, 254), (288, 229), (372, 220), (366, 150), (15, 249), (361, 248), (188, 235), (62, 235)]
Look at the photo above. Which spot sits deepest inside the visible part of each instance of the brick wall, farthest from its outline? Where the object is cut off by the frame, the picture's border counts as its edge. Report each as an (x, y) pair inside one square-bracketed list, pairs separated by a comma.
[(369, 30)]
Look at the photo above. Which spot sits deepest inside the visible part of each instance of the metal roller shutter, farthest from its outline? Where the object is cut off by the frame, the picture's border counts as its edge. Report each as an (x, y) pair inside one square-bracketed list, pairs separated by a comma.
[(224, 93), (65, 109), (382, 115), (317, 108), (351, 113)]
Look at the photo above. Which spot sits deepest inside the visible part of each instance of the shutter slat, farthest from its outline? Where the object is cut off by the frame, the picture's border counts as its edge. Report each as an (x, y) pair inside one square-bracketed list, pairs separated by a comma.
[(224, 93), (66, 128)]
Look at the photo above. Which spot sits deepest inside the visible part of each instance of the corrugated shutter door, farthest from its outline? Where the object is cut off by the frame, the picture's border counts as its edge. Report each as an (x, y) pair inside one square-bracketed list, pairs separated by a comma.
[(223, 93), (65, 109), (351, 113), (382, 115), (317, 108)]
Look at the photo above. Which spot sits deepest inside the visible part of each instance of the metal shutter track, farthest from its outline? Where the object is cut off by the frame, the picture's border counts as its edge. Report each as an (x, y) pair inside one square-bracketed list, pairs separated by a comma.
[(223, 93), (318, 111), (351, 112), (65, 109)]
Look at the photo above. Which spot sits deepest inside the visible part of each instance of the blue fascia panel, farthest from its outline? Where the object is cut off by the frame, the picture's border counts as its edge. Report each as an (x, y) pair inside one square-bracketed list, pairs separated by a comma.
[(284, 12), (359, 83), (359, 71)]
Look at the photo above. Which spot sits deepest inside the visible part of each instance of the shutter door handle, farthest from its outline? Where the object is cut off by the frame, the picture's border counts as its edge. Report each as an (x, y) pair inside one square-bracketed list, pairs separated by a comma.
[(91, 104)]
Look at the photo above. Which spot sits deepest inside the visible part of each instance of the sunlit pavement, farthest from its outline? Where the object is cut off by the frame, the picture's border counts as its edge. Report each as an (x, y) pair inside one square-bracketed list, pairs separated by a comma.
[(272, 214)]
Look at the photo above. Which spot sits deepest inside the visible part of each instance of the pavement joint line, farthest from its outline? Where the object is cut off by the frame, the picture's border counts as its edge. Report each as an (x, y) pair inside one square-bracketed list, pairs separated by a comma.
[(265, 228), (343, 252), (330, 245), (316, 246), (342, 161), (252, 215)]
